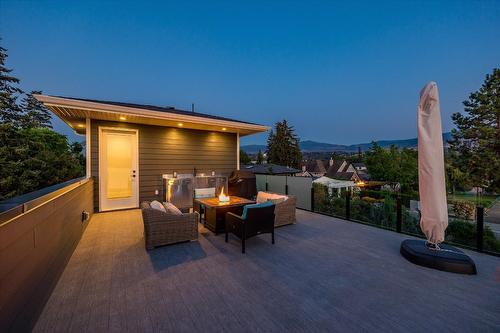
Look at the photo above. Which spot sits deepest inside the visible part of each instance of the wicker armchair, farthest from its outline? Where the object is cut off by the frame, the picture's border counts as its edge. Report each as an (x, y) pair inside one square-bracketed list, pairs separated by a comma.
[(161, 228), (284, 211)]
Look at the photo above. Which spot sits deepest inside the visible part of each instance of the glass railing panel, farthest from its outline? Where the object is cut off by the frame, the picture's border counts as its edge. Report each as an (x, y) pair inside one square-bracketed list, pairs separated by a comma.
[(261, 182), (300, 187), (329, 201), (374, 207), (276, 184)]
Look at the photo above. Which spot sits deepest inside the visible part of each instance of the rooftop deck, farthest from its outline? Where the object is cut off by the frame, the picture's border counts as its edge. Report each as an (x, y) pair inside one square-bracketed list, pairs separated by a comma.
[(323, 274)]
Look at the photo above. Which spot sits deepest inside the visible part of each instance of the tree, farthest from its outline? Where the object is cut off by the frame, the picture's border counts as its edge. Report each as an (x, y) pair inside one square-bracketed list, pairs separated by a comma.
[(244, 158), (260, 157), (35, 113), (10, 112), (34, 158), (283, 146), (394, 165), (476, 140)]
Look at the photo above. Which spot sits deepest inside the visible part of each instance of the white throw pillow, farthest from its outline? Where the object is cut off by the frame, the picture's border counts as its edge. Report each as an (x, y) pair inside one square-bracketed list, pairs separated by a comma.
[(171, 209), (157, 205), (265, 196)]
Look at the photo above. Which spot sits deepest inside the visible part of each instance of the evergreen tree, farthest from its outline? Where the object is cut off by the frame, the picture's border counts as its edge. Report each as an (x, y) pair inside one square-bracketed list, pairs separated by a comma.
[(36, 114), (10, 112), (283, 146), (260, 158), (476, 140), (244, 158)]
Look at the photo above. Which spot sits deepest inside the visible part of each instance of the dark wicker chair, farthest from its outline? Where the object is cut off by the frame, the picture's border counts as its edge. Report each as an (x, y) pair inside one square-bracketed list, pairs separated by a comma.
[(162, 228), (258, 221)]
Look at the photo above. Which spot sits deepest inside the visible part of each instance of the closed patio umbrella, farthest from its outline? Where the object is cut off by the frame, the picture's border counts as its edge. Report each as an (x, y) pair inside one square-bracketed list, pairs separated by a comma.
[(432, 189), (431, 181)]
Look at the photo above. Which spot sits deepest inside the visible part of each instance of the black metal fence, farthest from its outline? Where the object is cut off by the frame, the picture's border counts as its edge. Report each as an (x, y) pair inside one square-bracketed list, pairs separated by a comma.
[(397, 212)]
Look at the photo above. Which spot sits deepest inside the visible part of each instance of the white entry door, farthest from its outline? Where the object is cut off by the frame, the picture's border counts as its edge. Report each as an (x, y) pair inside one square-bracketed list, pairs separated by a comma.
[(118, 168)]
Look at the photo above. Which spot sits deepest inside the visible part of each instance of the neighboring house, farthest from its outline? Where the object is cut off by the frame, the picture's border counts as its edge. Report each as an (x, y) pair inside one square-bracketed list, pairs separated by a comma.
[(130, 146), (269, 169), (314, 168), (336, 166)]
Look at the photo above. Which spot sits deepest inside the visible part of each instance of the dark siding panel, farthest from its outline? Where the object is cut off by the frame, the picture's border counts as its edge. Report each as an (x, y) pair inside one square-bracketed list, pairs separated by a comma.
[(165, 150)]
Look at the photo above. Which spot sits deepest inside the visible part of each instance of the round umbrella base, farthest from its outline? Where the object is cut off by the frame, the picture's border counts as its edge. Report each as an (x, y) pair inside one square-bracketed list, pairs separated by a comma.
[(448, 258)]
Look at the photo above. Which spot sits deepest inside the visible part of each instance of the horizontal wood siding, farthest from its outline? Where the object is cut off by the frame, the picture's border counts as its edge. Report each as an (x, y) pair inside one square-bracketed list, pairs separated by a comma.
[(34, 249), (165, 150)]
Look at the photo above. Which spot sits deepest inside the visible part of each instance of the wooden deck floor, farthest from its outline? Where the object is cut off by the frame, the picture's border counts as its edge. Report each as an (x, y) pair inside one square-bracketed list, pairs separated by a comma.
[(322, 275)]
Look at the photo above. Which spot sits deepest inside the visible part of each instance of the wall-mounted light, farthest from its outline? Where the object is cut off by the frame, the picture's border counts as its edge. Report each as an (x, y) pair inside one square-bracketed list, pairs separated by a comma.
[(180, 124), (175, 174), (123, 118), (213, 173)]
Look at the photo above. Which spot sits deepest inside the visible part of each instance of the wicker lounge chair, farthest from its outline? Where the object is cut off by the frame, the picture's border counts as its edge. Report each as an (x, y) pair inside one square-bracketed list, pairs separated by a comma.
[(162, 228), (285, 210)]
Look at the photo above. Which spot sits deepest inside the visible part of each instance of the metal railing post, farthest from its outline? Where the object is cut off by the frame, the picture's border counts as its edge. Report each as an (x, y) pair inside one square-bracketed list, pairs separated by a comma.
[(348, 205), (267, 186), (399, 215), (479, 227)]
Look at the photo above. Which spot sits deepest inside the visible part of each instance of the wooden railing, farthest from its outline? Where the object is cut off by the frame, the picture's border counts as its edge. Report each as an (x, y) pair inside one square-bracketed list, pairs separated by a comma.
[(37, 239)]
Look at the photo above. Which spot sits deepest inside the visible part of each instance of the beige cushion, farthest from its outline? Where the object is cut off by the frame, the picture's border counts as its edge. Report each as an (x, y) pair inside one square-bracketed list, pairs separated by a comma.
[(157, 205), (171, 209), (265, 196)]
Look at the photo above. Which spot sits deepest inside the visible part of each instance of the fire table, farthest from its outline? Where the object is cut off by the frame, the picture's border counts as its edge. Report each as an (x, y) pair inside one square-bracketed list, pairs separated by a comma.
[(215, 210)]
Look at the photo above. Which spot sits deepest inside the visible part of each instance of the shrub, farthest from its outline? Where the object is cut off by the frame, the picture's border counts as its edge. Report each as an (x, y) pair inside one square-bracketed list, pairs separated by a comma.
[(464, 209)]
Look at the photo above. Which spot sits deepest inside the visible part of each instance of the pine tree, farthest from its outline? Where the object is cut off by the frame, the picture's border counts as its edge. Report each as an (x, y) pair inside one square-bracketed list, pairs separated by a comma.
[(283, 146), (476, 140), (244, 158), (260, 158), (10, 112), (36, 114)]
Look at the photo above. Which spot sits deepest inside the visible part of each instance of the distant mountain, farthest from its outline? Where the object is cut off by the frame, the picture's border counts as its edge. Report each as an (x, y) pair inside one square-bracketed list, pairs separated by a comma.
[(313, 146)]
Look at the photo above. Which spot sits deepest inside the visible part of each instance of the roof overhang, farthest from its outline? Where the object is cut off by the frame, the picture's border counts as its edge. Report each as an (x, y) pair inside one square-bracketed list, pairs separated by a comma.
[(75, 112)]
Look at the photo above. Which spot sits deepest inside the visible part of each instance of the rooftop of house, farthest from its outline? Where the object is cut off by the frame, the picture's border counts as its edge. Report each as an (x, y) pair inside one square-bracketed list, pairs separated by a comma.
[(269, 169), (334, 168), (316, 166), (169, 109), (75, 111), (322, 274), (359, 165), (343, 175)]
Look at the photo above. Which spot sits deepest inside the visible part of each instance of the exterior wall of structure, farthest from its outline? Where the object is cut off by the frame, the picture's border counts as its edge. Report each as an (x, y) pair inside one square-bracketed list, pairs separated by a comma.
[(163, 150)]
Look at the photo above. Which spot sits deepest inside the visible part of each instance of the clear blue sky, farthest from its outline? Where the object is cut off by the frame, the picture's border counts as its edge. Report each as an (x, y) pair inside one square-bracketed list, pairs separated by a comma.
[(340, 73)]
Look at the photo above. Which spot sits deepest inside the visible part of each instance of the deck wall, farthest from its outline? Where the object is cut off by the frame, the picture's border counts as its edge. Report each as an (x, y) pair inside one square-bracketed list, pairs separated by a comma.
[(163, 150), (34, 249)]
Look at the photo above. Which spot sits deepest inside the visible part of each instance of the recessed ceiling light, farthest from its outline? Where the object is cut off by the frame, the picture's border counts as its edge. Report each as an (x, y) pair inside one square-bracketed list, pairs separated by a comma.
[(122, 118), (180, 124), (224, 129), (81, 125)]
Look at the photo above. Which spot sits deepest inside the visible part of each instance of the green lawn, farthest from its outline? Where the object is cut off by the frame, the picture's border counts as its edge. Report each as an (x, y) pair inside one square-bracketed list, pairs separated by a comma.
[(486, 200)]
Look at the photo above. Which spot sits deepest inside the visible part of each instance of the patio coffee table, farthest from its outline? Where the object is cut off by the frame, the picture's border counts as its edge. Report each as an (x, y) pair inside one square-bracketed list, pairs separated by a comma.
[(215, 211)]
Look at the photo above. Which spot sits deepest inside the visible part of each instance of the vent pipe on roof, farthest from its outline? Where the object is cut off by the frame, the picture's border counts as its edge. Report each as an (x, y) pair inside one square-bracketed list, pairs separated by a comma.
[(192, 107)]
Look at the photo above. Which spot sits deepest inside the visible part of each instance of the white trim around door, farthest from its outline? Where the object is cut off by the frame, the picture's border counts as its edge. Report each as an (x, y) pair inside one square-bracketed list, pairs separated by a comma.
[(119, 177)]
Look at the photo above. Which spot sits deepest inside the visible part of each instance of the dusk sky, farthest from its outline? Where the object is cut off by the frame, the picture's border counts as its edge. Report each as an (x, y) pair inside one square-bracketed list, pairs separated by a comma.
[(339, 73)]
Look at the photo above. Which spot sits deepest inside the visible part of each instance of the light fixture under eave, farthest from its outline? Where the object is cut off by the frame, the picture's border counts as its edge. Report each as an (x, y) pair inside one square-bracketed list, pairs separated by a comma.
[(224, 129), (81, 125), (123, 118), (180, 124)]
